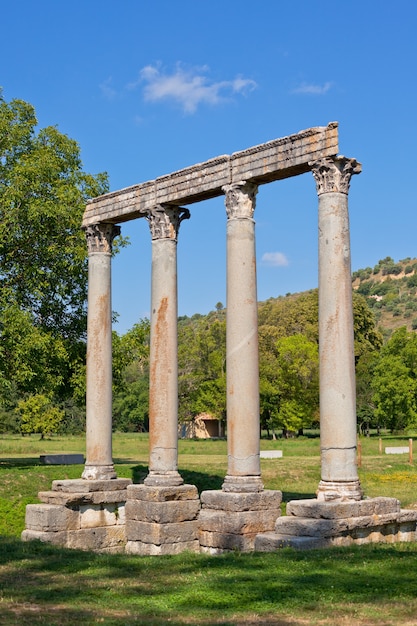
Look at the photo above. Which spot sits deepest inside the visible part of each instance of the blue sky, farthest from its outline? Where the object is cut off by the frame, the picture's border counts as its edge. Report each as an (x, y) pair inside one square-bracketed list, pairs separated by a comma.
[(149, 87)]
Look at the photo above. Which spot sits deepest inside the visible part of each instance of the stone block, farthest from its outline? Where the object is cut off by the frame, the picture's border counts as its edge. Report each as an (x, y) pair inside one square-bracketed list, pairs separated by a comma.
[(219, 542), (271, 454), (51, 518), (407, 531), (162, 512), (108, 497), (345, 541), (407, 515), (93, 516), (121, 514), (80, 485), (310, 527), (236, 502), (57, 538), (318, 509), (371, 521), (237, 523), (61, 459), (397, 450), (110, 538), (71, 500), (379, 506), (150, 549), (151, 532), (162, 494), (193, 182), (269, 542)]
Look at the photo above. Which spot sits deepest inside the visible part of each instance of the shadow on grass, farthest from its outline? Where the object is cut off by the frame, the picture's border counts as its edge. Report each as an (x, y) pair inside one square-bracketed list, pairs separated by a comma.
[(201, 480), (287, 496), (18, 463), (42, 584), (204, 481)]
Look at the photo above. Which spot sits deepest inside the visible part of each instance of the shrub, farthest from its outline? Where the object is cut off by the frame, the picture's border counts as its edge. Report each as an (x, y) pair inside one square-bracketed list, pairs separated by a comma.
[(38, 414)]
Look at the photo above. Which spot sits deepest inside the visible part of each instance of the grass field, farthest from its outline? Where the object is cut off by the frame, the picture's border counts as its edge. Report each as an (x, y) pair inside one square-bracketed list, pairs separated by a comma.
[(364, 585)]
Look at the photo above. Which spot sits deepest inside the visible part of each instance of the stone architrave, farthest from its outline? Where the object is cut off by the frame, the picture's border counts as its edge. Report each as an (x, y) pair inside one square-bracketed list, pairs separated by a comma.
[(99, 461), (339, 475), (242, 355), (164, 222)]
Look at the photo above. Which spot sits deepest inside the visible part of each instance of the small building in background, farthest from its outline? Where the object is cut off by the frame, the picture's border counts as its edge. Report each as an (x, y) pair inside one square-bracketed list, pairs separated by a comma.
[(203, 426)]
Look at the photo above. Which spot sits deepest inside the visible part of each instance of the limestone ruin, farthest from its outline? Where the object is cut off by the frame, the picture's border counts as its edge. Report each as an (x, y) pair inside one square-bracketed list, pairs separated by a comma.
[(164, 516)]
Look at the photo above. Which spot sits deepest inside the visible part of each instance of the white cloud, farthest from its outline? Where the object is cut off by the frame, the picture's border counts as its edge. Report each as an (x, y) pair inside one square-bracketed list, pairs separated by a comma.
[(274, 259), (312, 89), (189, 88), (107, 90)]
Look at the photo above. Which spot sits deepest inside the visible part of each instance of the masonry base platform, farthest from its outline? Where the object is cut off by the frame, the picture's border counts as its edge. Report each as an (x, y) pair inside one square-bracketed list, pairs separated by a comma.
[(230, 521), (316, 524), (81, 514), (162, 520)]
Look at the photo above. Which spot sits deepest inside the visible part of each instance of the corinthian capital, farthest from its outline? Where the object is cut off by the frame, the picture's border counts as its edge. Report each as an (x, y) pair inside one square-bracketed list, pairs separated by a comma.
[(100, 237), (334, 174), (164, 221), (240, 199)]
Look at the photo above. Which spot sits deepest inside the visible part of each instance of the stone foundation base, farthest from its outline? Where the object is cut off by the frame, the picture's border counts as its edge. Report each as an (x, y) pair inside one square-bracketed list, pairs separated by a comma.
[(317, 524), (230, 521), (161, 519), (82, 514)]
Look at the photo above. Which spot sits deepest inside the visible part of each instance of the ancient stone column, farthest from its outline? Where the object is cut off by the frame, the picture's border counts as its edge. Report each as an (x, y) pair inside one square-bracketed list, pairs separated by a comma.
[(99, 462), (242, 358), (164, 222), (339, 476)]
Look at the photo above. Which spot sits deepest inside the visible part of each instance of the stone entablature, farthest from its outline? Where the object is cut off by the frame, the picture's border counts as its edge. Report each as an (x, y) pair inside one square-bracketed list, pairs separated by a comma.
[(265, 163)]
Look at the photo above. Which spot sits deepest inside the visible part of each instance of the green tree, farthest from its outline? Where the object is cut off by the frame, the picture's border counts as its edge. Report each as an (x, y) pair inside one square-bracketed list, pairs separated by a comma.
[(38, 414), (43, 256), (131, 378), (130, 349), (202, 366), (298, 382), (131, 403), (365, 405), (367, 337), (394, 394), (394, 381), (43, 192)]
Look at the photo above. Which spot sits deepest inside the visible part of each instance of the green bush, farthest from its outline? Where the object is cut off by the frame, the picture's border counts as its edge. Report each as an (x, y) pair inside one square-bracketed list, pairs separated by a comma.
[(38, 414)]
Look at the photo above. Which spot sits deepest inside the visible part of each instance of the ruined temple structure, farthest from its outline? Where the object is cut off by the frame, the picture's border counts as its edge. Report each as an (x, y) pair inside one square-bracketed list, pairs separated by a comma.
[(163, 515)]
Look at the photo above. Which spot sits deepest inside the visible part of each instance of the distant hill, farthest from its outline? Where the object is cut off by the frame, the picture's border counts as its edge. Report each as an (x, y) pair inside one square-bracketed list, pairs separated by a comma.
[(390, 289)]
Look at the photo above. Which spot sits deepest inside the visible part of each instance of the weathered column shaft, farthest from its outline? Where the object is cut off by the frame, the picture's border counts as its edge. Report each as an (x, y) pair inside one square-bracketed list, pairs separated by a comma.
[(163, 384), (242, 355), (99, 462), (336, 343)]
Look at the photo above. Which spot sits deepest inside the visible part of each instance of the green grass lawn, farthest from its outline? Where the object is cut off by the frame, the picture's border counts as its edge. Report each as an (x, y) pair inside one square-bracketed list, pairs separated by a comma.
[(363, 585)]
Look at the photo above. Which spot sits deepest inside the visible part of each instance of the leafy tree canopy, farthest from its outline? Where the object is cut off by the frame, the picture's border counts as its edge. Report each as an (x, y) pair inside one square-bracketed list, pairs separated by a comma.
[(43, 191), (43, 256)]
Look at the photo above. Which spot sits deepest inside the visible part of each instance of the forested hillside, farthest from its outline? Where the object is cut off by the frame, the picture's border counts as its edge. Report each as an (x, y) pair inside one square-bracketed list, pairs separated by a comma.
[(288, 360), (390, 290)]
